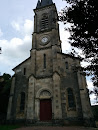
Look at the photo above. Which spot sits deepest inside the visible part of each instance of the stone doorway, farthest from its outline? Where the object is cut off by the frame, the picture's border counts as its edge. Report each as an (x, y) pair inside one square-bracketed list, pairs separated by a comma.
[(45, 110)]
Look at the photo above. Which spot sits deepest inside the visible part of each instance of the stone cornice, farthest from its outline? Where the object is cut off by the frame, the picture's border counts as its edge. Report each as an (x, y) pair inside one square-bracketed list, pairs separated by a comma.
[(45, 48), (41, 8), (42, 77)]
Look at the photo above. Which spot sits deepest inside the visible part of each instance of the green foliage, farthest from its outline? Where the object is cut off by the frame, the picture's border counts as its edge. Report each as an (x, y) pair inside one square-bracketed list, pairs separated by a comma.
[(95, 112), (83, 17), (4, 94), (8, 127), (6, 76), (6, 84)]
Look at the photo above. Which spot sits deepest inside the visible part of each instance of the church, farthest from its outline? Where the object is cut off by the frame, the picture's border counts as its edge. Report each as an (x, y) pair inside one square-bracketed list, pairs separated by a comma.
[(49, 86)]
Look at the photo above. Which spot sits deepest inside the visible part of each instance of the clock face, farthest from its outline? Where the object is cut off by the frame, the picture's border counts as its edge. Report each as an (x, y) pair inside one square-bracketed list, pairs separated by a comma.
[(44, 40)]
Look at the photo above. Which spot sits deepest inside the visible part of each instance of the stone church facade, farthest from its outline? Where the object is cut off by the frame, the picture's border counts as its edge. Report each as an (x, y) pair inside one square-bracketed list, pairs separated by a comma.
[(49, 85)]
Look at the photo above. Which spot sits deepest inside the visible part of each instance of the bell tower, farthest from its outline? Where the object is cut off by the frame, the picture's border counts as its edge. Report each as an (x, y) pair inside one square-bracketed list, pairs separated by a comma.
[(45, 16), (45, 39)]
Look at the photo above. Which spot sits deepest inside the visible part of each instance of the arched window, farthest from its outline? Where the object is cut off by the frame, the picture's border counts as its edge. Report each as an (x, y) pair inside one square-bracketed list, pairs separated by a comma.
[(44, 22), (44, 61), (66, 65), (22, 102), (71, 100), (24, 71)]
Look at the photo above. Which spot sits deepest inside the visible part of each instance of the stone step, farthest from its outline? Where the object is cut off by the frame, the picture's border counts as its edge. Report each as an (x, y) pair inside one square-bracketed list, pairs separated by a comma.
[(44, 123)]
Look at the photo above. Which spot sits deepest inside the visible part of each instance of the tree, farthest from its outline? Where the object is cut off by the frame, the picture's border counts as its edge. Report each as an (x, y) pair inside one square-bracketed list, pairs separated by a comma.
[(95, 112), (83, 18), (5, 85)]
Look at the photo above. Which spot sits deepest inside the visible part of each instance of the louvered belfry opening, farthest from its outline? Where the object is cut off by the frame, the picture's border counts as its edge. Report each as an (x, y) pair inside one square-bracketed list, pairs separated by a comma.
[(44, 23)]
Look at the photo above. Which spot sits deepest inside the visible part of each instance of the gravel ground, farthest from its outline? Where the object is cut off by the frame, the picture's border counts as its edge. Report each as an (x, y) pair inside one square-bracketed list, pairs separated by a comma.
[(55, 128)]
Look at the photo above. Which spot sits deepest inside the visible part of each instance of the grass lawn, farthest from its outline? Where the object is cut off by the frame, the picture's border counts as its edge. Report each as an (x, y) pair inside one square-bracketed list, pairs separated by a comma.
[(8, 127)]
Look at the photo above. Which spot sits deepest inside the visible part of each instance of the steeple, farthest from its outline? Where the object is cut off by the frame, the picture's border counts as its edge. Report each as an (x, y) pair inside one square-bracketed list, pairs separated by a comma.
[(43, 3), (38, 4)]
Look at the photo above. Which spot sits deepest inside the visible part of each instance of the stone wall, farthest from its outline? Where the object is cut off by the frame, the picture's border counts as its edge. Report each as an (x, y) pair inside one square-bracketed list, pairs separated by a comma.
[(21, 85), (40, 70)]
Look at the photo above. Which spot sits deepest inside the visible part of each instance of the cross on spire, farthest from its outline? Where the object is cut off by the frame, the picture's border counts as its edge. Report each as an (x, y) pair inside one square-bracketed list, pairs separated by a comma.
[(0, 50)]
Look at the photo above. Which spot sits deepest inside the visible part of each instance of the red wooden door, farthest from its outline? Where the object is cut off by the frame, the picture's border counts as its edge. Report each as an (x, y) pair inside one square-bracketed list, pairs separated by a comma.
[(45, 110)]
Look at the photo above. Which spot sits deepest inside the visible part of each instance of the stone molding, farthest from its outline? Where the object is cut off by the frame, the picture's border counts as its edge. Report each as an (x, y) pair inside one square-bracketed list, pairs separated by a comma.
[(41, 77), (42, 90)]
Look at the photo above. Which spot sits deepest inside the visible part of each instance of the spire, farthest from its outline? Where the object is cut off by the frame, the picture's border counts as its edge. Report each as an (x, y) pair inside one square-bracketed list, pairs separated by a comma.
[(44, 3), (38, 4)]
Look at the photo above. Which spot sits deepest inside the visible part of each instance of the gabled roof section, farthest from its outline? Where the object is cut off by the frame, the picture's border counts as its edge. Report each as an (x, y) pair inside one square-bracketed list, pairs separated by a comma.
[(43, 3), (21, 63), (68, 55)]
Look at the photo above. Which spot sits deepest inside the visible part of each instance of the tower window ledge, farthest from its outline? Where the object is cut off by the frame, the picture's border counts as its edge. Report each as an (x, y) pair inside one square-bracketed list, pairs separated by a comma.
[(81, 89), (44, 69), (71, 109)]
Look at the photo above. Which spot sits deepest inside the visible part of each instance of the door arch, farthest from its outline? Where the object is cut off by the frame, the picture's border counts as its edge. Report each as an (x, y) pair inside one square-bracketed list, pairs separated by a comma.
[(44, 104)]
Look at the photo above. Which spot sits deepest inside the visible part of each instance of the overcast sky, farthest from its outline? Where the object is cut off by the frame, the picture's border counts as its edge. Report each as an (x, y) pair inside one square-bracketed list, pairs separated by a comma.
[(16, 27)]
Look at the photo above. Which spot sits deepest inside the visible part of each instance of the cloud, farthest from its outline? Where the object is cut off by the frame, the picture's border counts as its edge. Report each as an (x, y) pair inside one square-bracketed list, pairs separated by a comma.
[(15, 25), (16, 47), (15, 50), (93, 100), (28, 26), (64, 35), (23, 27), (1, 33), (90, 85), (84, 64), (92, 96)]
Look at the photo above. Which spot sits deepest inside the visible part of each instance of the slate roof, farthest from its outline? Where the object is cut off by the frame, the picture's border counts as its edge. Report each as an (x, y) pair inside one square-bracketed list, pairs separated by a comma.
[(43, 3)]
